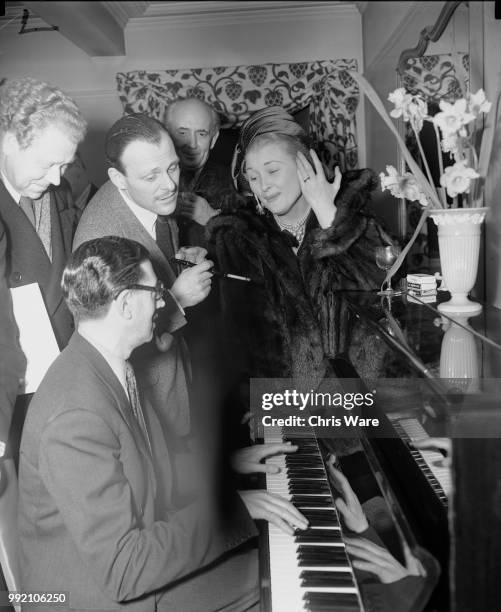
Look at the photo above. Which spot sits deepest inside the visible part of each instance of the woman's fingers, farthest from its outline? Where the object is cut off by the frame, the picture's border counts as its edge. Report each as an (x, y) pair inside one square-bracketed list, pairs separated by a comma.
[(319, 169), (305, 169)]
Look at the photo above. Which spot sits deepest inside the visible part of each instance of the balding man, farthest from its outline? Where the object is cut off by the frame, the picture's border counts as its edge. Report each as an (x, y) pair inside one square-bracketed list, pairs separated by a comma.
[(205, 186)]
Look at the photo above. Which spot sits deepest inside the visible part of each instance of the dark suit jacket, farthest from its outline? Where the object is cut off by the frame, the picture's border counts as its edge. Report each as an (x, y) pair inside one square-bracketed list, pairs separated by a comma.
[(97, 515), (27, 261), (23, 260), (12, 361), (162, 377)]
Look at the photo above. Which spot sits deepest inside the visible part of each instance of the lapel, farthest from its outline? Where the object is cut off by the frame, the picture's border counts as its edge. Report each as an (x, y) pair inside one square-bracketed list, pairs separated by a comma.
[(132, 228), (61, 234), (28, 260), (103, 371)]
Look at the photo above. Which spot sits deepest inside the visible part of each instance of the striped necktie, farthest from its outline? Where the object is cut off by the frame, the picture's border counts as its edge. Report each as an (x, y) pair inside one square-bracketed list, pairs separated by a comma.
[(130, 380)]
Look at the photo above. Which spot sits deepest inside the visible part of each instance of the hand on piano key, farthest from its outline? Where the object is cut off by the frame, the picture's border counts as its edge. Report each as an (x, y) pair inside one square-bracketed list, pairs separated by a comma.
[(346, 502), (377, 560), (275, 509), (440, 444), (248, 460)]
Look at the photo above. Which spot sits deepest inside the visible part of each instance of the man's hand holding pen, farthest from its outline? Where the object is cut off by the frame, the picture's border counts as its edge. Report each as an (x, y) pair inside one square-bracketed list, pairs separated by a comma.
[(193, 284), (187, 258)]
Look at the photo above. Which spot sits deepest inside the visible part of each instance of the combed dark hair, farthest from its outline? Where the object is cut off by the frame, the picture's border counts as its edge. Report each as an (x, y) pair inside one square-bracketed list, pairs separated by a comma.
[(98, 271), (28, 106), (130, 128)]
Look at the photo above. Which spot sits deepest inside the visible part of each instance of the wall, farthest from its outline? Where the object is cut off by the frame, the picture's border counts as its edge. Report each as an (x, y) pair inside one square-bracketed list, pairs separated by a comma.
[(151, 43), (388, 29), (492, 82)]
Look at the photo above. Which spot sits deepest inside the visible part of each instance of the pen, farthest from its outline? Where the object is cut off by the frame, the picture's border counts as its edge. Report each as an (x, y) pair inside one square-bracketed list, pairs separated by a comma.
[(189, 264)]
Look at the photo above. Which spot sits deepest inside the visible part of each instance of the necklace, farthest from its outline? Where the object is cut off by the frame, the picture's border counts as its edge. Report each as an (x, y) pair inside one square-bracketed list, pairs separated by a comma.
[(296, 229)]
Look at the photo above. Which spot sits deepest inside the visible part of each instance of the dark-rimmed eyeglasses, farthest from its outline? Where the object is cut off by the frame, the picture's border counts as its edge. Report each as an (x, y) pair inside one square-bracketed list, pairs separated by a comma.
[(159, 289)]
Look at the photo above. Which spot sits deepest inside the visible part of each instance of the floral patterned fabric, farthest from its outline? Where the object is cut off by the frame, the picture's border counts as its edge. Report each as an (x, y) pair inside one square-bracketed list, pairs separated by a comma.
[(236, 92), (434, 77)]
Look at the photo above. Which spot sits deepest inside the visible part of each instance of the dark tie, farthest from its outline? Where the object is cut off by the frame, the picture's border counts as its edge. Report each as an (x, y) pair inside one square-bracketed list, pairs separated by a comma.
[(26, 205), (130, 380), (167, 235)]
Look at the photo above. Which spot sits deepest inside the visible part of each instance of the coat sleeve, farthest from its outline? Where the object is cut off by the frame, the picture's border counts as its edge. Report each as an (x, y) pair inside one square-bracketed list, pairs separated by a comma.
[(248, 310), (341, 257), (12, 360), (80, 465)]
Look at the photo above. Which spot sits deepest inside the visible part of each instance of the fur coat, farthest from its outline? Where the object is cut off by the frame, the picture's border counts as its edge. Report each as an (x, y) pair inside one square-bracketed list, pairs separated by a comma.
[(291, 320)]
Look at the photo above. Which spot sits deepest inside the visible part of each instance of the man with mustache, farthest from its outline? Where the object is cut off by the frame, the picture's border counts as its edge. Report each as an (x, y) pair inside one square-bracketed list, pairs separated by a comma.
[(138, 203)]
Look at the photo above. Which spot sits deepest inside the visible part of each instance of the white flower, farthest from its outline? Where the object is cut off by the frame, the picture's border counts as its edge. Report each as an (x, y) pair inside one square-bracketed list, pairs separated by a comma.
[(453, 117), (457, 178), (478, 104), (450, 143), (402, 186), (411, 108)]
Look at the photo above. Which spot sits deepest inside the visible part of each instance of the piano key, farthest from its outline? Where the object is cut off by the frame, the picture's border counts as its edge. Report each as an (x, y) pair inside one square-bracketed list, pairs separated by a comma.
[(309, 571), (439, 476)]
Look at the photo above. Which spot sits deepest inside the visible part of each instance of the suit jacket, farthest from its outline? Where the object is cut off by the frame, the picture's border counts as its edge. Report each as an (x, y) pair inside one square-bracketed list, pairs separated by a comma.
[(26, 259), (162, 376), (23, 260), (12, 360), (97, 516)]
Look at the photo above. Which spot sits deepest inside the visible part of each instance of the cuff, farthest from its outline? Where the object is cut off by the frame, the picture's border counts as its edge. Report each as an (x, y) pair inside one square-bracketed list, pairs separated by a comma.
[(177, 302)]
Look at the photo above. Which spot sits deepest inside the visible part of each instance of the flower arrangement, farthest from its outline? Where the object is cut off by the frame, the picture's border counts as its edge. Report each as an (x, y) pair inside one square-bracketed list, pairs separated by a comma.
[(456, 127)]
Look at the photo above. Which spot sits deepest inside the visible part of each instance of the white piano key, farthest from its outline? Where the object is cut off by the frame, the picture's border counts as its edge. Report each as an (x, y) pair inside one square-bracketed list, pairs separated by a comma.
[(286, 590)]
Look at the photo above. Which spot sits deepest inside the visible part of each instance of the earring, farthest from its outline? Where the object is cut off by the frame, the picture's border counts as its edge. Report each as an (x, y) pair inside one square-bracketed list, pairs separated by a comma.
[(259, 205)]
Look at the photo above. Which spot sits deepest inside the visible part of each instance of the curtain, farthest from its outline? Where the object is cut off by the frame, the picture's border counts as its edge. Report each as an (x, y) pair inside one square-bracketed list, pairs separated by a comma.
[(435, 77), (325, 87)]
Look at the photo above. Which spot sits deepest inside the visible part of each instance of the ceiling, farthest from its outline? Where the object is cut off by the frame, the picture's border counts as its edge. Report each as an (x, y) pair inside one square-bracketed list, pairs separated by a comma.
[(99, 29)]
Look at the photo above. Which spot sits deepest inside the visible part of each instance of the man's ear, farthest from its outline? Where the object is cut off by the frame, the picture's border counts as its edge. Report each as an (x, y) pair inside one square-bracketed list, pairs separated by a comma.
[(123, 304), (10, 144), (214, 139), (117, 178)]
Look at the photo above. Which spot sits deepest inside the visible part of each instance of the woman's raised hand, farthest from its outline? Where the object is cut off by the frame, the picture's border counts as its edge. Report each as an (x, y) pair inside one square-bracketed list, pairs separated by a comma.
[(316, 189)]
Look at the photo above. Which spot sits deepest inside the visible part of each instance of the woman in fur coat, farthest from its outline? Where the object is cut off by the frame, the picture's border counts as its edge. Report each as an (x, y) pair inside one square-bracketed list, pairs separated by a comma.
[(301, 239)]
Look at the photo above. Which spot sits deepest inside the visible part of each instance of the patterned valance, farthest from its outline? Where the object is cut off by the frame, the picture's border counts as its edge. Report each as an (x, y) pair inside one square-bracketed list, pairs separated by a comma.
[(435, 77), (236, 92)]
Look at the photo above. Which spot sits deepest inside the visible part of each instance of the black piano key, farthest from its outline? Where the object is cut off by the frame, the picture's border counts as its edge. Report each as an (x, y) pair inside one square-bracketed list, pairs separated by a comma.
[(306, 487), (340, 602), (320, 517), (305, 472), (327, 550), (334, 560), (312, 578), (318, 535), (301, 501)]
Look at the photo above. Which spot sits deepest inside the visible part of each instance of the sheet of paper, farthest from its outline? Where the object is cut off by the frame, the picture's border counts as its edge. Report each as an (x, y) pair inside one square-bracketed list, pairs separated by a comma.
[(35, 333)]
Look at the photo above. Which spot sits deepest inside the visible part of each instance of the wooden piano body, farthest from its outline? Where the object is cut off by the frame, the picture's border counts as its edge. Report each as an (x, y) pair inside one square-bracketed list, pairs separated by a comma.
[(441, 377)]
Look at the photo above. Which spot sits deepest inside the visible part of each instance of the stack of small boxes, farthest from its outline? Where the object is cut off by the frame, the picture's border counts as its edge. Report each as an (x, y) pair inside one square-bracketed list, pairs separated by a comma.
[(422, 286)]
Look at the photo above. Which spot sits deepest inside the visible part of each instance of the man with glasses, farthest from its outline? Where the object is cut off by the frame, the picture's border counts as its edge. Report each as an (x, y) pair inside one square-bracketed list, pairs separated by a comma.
[(99, 519), (138, 202)]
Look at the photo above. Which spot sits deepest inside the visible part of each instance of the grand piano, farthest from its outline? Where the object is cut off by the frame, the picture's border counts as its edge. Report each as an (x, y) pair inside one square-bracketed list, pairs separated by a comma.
[(438, 377)]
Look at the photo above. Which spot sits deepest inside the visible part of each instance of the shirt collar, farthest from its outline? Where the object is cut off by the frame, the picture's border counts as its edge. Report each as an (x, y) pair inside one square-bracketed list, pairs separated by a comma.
[(146, 217), (16, 196)]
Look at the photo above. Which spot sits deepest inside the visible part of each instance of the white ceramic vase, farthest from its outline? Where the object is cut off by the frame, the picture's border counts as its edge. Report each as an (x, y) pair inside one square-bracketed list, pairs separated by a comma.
[(459, 245), (459, 358)]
